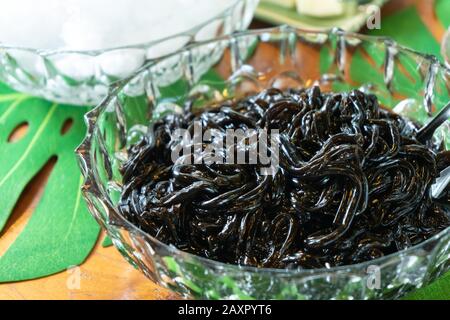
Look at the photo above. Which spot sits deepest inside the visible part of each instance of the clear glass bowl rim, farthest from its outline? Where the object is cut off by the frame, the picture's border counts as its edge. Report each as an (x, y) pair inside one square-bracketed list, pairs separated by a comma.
[(115, 88), (141, 45)]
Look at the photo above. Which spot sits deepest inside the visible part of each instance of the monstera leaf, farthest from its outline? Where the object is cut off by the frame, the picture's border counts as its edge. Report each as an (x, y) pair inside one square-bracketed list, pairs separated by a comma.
[(60, 232)]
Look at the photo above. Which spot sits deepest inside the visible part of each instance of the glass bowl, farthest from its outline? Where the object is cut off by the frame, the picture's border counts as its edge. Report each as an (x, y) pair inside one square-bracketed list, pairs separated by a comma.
[(83, 77), (416, 85)]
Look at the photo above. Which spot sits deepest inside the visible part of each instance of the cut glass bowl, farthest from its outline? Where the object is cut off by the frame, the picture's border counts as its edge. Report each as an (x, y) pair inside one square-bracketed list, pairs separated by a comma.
[(413, 84)]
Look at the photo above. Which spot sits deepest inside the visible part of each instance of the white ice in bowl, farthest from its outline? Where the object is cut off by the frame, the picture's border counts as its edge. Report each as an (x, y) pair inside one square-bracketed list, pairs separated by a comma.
[(76, 66), (100, 24), (122, 62), (86, 25)]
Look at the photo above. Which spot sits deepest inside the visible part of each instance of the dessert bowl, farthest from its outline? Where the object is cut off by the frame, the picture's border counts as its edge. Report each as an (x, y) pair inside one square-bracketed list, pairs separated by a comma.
[(413, 84), (82, 77)]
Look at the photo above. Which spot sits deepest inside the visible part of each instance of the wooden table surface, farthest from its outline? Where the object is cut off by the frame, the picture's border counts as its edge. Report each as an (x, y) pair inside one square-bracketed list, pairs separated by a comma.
[(105, 274)]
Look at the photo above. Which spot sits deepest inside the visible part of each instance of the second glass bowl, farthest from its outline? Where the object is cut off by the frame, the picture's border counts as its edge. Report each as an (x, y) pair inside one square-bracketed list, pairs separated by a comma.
[(415, 85), (83, 77)]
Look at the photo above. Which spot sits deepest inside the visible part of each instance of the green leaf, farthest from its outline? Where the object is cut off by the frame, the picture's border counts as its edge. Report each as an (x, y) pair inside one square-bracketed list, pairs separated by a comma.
[(60, 232), (107, 242), (407, 28), (442, 12), (436, 291)]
